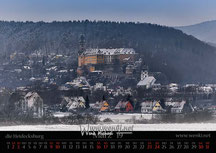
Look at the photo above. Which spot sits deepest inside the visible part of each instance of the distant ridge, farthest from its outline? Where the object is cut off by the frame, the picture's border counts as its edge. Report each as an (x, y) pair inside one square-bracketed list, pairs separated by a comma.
[(205, 31)]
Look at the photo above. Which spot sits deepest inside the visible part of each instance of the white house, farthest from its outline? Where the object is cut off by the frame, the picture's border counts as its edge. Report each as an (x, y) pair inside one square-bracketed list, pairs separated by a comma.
[(155, 107), (147, 106), (206, 89), (79, 82), (173, 87), (96, 106), (146, 80), (176, 107), (33, 102), (99, 86)]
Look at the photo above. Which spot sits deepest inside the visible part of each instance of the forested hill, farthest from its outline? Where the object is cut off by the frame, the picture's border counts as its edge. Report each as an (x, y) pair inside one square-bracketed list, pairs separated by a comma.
[(180, 57)]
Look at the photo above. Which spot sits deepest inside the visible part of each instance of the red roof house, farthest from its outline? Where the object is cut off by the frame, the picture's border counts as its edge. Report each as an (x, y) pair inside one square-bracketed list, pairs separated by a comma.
[(124, 106)]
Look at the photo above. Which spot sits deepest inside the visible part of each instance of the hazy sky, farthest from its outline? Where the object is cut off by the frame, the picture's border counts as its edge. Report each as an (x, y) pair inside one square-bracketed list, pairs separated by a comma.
[(165, 12)]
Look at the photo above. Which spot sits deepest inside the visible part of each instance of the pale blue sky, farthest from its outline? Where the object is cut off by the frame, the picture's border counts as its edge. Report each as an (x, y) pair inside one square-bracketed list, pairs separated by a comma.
[(165, 12)]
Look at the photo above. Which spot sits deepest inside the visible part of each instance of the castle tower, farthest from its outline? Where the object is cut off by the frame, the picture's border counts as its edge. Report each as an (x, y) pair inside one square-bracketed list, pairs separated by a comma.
[(81, 58), (81, 44)]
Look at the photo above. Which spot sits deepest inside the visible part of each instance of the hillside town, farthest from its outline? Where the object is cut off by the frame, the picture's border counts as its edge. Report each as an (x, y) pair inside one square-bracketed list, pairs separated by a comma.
[(100, 81)]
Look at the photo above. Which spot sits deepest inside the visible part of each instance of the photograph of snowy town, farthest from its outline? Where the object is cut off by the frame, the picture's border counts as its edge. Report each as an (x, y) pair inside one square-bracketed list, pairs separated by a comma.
[(58, 75)]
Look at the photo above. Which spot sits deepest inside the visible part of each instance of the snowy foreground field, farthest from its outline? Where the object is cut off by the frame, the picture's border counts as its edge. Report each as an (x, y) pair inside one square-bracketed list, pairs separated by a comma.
[(117, 119), (137, 127)]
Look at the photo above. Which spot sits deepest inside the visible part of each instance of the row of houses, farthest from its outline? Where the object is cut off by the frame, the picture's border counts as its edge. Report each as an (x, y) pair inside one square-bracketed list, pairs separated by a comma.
[(34, 103), (104, 106), (75, 104), (174, 107)]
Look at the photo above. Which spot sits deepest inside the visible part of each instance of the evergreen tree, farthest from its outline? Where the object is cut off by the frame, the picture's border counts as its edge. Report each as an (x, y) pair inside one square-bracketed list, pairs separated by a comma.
[(103, 98), (130, 100), (162, 103), (87, 102), (164, 49)]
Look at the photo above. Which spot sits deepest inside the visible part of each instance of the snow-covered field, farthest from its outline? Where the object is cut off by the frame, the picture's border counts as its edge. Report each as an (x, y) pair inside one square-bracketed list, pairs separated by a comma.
[(117, 119), (137, 127)]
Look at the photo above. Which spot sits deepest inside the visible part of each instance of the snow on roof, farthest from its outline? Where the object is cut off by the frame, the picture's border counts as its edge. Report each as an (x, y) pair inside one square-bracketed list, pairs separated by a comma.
[(104, 51), (148, 103), (121, 104), (97, 71), (31, 94), (74, 102), (74, 99), (176, 105), (147, 81), (206, 89), (31, 98), (79, 82), (20, 88), (173, 84), (63, 71)]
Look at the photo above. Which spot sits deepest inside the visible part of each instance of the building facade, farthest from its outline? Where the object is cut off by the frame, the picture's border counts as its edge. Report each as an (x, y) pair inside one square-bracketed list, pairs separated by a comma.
[(33, 103), (106, 56), (146, 81)]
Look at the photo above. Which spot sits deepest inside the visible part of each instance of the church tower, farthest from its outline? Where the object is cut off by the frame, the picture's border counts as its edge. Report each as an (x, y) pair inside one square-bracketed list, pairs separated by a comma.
[(144, 72)]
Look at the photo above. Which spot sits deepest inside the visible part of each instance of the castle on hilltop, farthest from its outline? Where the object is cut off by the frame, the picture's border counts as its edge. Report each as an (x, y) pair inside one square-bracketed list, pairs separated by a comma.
[(95, 56)]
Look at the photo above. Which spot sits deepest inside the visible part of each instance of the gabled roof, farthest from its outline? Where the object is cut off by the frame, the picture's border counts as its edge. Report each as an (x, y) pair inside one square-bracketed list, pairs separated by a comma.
[(32, 98), (105, 106), (148, 80), (176, 105), (104, 51), (121, 104), (74, 102), (157, 106), (31, 94), (105, 103), (74, 99), (79, 82)]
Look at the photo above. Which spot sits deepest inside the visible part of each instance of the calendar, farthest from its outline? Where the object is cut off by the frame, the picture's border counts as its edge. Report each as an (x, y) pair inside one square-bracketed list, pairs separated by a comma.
[(139, 141)]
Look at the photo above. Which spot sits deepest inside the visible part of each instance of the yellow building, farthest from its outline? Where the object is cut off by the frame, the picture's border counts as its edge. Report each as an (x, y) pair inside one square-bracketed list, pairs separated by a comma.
[(158, 108), (105, 56), (105, 106), (90, 59)]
